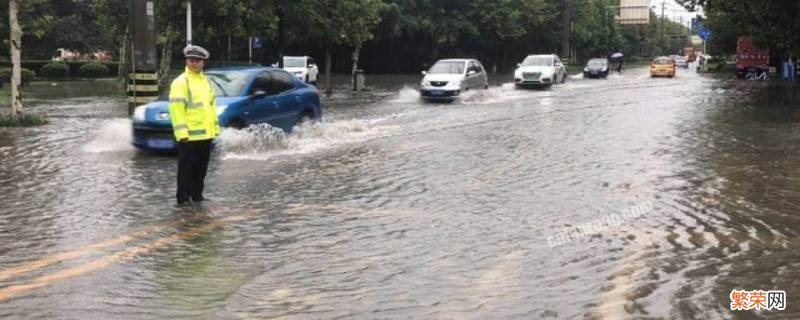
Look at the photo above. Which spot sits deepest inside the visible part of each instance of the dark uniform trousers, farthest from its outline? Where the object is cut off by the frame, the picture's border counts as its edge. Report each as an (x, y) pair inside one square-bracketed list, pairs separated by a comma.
[(193, 159)]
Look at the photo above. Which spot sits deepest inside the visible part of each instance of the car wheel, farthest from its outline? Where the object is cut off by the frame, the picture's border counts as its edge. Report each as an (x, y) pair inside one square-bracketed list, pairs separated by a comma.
[(486, 86), (306, 117), (236, 124)]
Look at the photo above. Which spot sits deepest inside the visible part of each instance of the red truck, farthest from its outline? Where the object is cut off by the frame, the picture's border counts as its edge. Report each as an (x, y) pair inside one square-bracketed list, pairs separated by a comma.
[(750, 59), (689, 53)]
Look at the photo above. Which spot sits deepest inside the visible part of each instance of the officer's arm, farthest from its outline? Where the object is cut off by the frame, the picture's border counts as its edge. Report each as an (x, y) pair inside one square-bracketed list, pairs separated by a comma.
[(216, 117), (177, 110)]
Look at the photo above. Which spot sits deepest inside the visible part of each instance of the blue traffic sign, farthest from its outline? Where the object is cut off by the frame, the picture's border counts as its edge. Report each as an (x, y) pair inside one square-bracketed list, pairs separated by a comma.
[(256, 43), (697, 23), (705, 34)]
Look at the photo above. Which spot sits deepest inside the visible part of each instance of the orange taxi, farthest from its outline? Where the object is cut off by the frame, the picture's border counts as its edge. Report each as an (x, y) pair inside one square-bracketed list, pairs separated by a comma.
[(663, 67)]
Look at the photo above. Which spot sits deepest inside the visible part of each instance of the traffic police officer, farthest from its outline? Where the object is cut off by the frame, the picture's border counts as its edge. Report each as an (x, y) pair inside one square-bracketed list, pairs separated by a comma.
[(193, 111)]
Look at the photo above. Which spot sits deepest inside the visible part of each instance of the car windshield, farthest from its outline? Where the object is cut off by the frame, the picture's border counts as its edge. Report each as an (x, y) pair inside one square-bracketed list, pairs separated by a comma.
[(227, 83), (663, 61), (294, 62), (541, 61), (447, 67), (597, 63)]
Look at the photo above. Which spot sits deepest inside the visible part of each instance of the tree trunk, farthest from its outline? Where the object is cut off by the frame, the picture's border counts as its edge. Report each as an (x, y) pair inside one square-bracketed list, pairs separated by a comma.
[(565, 29), (16, 47), (124, 61), (356, 53), (329, 89), (281, 41), (166, 58)]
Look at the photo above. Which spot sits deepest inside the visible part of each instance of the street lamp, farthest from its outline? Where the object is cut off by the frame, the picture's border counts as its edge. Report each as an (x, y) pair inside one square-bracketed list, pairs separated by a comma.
[(188, 23)]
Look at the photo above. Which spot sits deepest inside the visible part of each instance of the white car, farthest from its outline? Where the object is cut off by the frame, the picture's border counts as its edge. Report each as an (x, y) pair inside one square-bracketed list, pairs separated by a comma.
[(680, 61), (304, 68), (448, 78), (540, 70)]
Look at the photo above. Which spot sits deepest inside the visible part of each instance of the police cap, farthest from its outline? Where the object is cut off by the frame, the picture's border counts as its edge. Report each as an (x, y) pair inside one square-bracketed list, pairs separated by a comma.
[(192, 51)]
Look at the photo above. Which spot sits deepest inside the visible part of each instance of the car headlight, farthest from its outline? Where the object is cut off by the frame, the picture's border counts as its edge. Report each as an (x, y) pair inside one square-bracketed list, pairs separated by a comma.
[(518, 73), (605, 69), (138, 113), (586, 69), (425, 83), (455, 83), (221, 109)]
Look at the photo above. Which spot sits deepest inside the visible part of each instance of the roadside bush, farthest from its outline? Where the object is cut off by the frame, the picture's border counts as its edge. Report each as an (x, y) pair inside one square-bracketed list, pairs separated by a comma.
[(5, 75), (93, 70), (25, 120), (26, 75), (716, 60), (54, 70)]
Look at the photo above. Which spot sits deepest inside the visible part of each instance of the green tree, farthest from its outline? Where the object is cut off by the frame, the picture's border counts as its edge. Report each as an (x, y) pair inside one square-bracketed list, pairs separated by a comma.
[(506, 21), (342, 23), (771, 24)]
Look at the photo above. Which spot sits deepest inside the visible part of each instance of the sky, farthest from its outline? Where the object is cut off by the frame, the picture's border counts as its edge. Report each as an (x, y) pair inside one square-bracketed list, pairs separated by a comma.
[(674, 11)]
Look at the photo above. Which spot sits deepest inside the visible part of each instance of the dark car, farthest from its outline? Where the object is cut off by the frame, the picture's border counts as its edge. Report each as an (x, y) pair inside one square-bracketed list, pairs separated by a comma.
[(596, 68), (245, 96)]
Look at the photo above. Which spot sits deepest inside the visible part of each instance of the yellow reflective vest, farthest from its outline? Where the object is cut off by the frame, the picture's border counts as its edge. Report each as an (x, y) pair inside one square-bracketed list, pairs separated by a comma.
[(193, 107)]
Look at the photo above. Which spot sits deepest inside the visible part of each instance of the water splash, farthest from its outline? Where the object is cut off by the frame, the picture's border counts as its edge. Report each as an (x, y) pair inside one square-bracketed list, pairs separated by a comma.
[(262, 142), (113, 136), (507, 92), (406, 95)]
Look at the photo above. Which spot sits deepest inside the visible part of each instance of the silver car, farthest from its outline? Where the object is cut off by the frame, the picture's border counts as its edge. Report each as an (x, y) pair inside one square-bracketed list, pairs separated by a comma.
[(540, 70), (448, 78)]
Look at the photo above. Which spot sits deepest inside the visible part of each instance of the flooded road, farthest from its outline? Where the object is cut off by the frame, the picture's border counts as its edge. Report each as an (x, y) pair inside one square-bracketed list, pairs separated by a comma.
[(393, 208)]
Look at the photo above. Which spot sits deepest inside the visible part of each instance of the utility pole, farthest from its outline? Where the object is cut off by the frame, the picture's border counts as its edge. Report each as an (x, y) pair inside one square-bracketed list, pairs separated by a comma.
[(663, 6), (188, 23), (565, 29)]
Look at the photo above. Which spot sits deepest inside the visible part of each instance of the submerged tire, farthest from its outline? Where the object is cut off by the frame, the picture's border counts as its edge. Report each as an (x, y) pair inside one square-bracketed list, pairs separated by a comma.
[(236, 124), (306, 118)]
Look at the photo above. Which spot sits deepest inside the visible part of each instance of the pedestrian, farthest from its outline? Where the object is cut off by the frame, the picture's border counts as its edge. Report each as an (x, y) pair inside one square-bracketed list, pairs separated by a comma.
[(785, 69), (193, 112), (792, 69), (619, 65)]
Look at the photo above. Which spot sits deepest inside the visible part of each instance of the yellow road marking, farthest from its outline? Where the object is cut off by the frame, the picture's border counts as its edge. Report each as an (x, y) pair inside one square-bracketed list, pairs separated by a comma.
[(12, 291), (46, 261)]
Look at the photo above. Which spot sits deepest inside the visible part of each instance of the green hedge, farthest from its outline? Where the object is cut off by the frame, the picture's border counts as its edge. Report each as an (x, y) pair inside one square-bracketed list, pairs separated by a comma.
[(74, 66), (93, 70), (54, 69), (27, 75)]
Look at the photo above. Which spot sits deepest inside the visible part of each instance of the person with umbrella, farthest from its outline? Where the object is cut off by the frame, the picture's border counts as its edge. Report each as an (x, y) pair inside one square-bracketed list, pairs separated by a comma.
[(616, 57)]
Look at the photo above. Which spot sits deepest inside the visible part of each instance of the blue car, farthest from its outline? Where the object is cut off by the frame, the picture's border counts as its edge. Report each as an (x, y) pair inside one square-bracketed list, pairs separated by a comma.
[(245, 96)]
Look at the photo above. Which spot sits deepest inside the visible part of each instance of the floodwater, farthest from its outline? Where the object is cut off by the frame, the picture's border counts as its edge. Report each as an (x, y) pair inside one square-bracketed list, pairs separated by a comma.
[(393, 208)]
